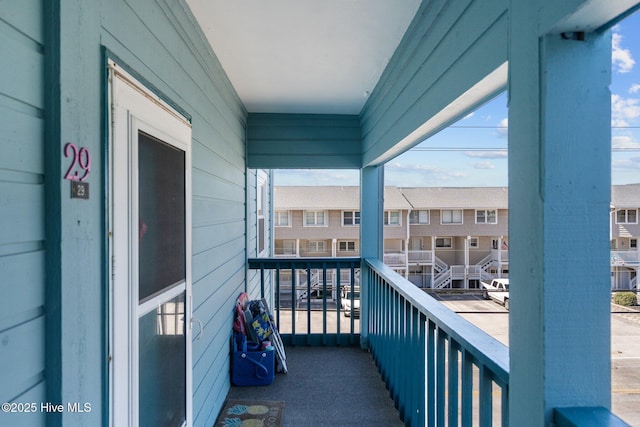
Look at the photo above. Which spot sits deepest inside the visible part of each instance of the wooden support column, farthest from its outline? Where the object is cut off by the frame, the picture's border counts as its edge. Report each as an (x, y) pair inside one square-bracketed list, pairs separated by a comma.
[(559, 178), (371, 233)]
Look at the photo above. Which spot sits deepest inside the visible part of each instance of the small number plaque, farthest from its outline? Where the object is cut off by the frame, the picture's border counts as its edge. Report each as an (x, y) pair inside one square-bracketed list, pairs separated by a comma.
[(79, 190)]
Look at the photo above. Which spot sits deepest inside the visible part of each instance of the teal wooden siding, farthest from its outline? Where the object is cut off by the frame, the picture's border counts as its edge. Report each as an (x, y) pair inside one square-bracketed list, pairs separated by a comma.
[(448, 48), (161, 41), (303, 141), (22, 235)]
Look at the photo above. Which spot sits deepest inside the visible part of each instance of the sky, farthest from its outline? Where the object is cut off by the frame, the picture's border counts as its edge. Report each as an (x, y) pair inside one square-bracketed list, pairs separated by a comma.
[(473, 151)]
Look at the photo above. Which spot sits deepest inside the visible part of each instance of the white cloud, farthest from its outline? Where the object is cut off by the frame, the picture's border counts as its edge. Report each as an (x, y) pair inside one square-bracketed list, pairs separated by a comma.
[(630, 163), (316, 177), (483, 165), (624, 141), (503, 128), (410, 174), (495, 154), (635, 88), (408, 168), (621, 57), (623, 110)]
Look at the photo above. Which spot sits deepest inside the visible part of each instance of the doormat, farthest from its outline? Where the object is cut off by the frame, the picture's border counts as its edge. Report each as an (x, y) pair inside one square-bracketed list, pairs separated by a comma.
[(251, 413)]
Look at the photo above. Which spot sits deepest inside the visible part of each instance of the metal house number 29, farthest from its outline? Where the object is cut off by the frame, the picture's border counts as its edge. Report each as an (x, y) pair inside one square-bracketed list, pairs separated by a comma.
[(80, 158)]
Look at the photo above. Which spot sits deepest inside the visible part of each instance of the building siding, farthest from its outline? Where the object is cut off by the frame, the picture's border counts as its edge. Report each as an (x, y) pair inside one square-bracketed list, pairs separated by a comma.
[(161, 41), (22, 207), (304, 140), (449, 47)]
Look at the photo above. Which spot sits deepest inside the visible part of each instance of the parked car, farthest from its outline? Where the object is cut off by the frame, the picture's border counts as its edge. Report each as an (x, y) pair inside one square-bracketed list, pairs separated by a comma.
[(497, 290), (346, 299)]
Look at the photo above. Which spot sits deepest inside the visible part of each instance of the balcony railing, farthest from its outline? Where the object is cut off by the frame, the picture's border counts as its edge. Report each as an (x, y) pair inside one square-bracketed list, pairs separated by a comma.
[(439, 368), (416, 342), (621, 258), (432, 359), (502, 254), (421, 256), (395, 259), (308, 298)]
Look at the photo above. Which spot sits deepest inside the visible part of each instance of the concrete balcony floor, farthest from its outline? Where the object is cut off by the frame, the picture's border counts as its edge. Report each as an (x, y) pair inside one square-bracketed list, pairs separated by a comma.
[(328, 386)]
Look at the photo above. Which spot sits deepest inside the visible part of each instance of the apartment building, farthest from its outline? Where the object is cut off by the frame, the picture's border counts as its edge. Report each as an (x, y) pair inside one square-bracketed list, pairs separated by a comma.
[(625, 232), (435, 237)]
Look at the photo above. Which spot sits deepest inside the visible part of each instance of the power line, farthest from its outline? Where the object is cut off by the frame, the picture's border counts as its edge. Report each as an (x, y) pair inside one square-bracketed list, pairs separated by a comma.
[(507, 127), (458, 149), (619, 149)]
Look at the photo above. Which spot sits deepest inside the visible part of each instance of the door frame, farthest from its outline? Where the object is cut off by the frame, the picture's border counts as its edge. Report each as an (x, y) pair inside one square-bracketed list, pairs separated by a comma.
[(132, 106)]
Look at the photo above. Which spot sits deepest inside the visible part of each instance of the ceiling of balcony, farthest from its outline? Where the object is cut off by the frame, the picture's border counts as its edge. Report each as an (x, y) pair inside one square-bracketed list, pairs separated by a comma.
[(304, 56)]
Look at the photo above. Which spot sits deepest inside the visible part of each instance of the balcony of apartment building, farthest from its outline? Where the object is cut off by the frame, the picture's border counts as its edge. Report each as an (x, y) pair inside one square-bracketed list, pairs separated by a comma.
[(625, 262), (438, 368)]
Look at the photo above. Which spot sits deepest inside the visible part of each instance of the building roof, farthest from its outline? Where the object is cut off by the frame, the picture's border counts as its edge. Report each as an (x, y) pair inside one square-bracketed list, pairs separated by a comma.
[(457, 197), (331, 197), (348, 197), (625, 196)]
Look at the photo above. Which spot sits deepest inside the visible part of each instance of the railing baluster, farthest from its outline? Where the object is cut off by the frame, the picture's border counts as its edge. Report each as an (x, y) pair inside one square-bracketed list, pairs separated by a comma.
[(294, 297), (395, 366), (421, 370), (453, 366), (486, 396), (262, 281), (402, 362), (277, 294), (308, 304), (324, 303), (467, 388), (441, 361), (505, 404), (352, 284), (431, 373)]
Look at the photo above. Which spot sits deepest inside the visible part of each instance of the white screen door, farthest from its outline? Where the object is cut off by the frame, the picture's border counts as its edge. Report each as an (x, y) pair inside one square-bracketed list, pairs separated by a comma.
[(150, 333)]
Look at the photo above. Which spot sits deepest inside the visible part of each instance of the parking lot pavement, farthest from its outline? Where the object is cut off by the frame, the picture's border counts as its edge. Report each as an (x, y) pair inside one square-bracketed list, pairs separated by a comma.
[(625, 347)]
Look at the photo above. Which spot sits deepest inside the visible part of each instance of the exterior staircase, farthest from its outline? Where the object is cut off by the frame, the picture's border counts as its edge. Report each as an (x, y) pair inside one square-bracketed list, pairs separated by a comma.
[(317, 285), (442, 278)]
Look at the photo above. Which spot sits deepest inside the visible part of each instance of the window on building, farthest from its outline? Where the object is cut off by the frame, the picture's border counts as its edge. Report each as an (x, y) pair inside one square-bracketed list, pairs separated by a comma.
[(451, 216), (391, 217), (494, 243), (315, 218), (444, 242), (633, 243), (627, 216), (419, 217), (282, 219), (285, 247), (351, 218), (347, 246), (486, 216), (415, 244), (473, 242), (317, 246)]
